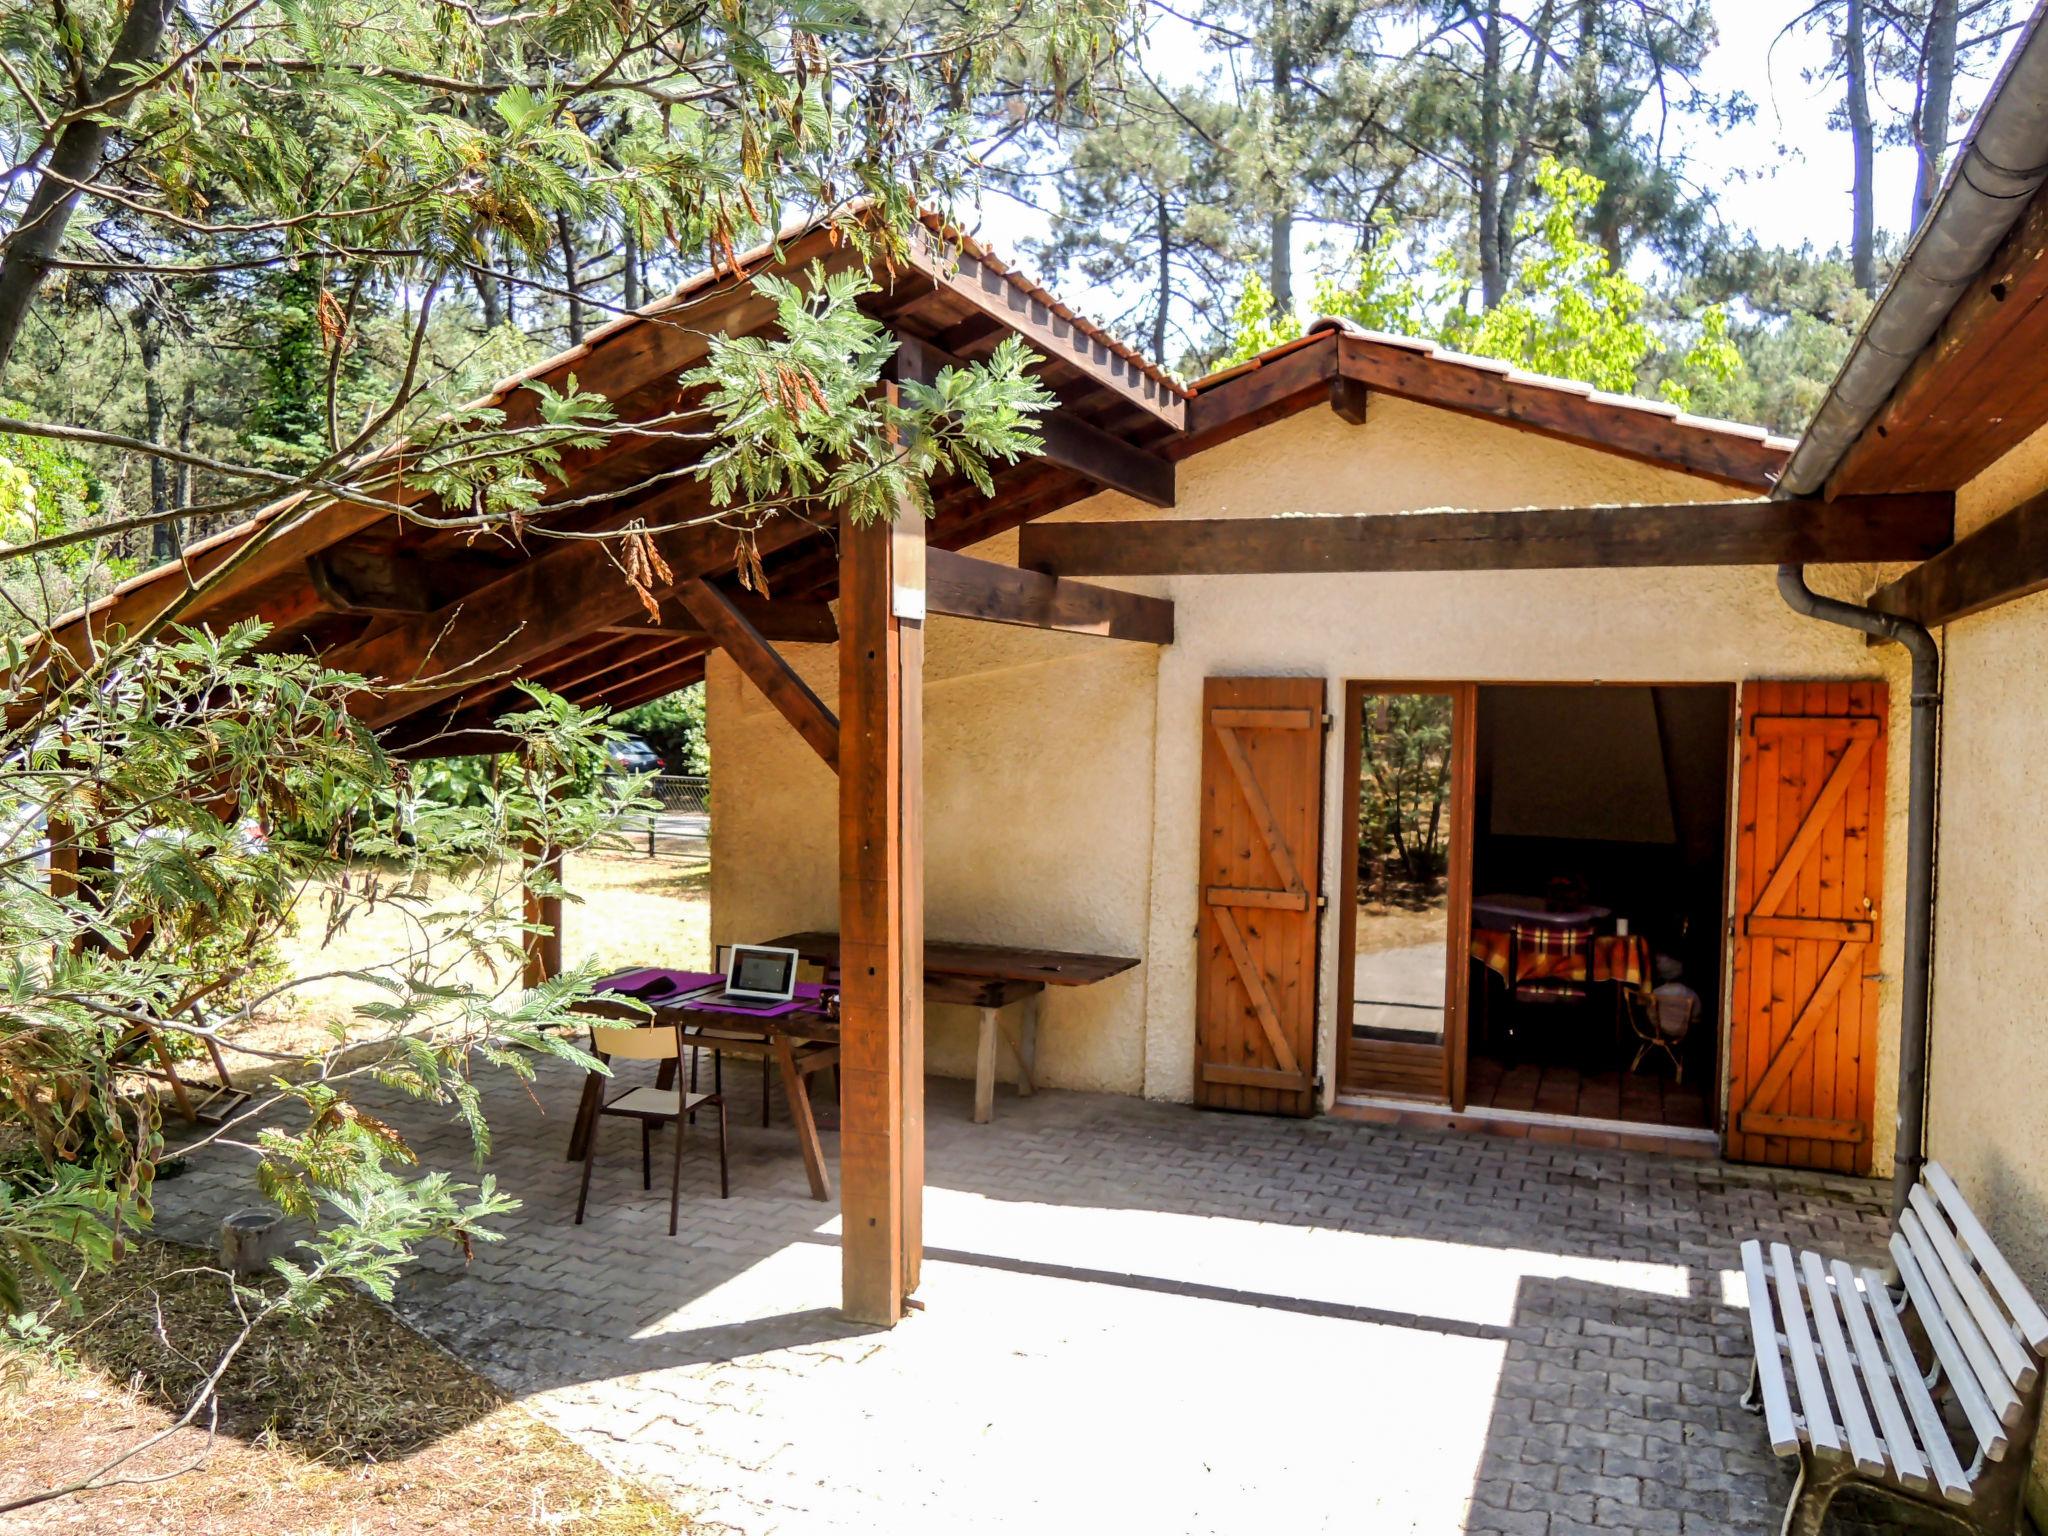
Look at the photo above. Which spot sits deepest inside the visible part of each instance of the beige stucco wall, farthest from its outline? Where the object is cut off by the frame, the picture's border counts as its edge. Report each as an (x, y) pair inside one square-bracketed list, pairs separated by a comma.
[(1988, 1067), (1063, 773)]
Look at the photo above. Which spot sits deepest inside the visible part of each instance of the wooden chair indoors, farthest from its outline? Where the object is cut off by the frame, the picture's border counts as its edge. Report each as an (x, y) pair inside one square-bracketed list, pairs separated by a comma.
[(652, 1107), (1552, 968)]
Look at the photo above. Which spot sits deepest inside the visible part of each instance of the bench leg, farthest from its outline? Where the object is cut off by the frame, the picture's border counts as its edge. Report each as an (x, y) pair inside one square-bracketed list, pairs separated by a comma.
[(1819, 1482)]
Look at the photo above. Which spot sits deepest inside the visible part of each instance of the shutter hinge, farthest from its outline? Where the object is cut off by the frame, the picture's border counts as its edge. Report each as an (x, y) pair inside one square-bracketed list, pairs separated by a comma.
[(1328, 719), (1322, 902)]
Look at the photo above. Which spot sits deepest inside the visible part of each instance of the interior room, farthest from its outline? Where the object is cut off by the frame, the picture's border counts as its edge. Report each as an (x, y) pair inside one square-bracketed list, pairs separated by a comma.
[(1598, 861)]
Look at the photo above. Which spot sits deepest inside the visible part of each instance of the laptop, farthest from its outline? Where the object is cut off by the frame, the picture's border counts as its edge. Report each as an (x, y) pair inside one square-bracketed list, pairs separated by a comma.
[(757, 977)]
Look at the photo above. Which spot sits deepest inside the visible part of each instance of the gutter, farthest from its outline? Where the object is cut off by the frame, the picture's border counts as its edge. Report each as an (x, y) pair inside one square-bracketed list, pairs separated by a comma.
[(1998, 169)]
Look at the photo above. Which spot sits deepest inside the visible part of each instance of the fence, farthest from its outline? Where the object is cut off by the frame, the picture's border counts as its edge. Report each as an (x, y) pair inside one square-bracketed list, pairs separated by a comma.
[(682, 827)]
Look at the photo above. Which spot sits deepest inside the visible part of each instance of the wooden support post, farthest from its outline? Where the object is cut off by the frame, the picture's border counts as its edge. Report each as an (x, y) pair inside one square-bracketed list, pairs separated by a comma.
[(544, 950), (881, 914)]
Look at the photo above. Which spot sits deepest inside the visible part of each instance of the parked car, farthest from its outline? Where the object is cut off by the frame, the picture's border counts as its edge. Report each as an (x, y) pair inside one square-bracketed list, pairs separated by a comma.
[(629, 754)]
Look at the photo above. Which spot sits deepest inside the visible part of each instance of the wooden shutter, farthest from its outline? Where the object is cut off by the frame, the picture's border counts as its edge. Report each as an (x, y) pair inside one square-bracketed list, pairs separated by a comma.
[(1262, 816), (1809, 858)]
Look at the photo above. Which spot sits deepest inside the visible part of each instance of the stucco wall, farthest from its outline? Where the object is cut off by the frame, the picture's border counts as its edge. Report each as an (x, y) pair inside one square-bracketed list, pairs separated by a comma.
[(1988, 1069), (1064, 772), (1038, 822)]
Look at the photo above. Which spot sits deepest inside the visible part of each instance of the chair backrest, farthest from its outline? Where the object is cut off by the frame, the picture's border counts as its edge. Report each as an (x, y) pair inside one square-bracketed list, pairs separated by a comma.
[(637, 1042), (1677, 1007)]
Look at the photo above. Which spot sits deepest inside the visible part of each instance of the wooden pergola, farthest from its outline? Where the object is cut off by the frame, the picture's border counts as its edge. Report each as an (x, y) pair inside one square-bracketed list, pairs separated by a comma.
[(458, 621)]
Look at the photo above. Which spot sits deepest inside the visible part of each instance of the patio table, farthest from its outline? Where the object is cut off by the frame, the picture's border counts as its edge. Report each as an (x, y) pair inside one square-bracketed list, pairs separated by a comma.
[(802, 1041), (987, 978)]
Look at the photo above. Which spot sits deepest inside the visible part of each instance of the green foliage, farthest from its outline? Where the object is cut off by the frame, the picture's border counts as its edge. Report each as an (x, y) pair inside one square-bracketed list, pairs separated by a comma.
[(1566, 312), (797, 417), (266, 736), (674, 726)]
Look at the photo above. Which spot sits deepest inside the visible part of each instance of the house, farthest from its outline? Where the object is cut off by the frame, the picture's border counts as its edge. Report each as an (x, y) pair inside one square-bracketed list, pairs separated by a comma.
[(1594, 673), (1406, 717)]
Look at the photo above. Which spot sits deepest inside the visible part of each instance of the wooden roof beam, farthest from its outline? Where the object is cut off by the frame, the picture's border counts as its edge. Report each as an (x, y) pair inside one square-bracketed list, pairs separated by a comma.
[(764, 667), (968, 588), (2002, 561), (1865, 528), (785, 619), (1068, 441)]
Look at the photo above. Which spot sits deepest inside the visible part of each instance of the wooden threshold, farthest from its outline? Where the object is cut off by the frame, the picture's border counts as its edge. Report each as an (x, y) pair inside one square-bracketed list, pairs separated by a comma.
[(1529, 1125)]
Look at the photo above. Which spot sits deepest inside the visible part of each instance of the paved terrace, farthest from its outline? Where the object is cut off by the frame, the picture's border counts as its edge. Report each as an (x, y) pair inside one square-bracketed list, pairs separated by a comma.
[(1138, 1318)]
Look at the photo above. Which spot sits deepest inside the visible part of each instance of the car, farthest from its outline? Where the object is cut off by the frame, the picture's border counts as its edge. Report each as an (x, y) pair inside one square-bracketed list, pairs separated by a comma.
[(629, 754)]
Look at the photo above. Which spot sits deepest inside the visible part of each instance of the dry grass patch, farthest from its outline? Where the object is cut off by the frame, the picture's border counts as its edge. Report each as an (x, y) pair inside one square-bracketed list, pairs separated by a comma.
[(632, 910), (360, 1427)]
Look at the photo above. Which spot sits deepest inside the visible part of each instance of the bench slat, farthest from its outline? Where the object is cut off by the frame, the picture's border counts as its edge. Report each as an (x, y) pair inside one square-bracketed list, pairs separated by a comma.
[(1962, 1380), (1907, 1465), (1976, 1349), (2017, 1364), (1941, 1456), (1770, 1364), (1821, 1431), (1841, 1366), (2027, 1315)]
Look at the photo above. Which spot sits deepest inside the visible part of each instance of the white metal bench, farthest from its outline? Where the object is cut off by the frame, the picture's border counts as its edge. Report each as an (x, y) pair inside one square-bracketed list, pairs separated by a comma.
[(1953, 1433)]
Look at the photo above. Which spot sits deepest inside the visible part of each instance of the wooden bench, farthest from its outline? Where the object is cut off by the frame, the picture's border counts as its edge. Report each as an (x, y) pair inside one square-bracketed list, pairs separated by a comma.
[(1929, 1388)]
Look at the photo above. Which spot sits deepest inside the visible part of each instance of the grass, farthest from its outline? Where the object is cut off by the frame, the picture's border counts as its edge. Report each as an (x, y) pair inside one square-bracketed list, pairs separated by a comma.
[(359, 1427), (632, 910)]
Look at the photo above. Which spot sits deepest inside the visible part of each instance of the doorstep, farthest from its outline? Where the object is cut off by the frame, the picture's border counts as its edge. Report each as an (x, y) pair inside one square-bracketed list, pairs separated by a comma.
[(1562, 1130)]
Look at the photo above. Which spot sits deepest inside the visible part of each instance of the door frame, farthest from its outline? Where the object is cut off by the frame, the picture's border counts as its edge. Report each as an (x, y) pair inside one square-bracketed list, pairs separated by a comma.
[(1464, 697)]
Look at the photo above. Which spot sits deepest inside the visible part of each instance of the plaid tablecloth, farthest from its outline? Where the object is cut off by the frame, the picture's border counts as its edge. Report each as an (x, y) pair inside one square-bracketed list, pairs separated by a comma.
[(1552, 954)]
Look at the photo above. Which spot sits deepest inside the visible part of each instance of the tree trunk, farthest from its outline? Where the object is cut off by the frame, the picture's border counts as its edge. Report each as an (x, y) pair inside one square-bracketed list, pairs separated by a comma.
[(149, 342), (487, 296), (1162, 303), (1281, 230), (1493, 283), (571, 278), (73, 162), (1937, 94), (181, 476), (1863, 217)]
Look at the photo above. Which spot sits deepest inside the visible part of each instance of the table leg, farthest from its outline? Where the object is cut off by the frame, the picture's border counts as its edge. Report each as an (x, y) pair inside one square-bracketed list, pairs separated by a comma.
[(800, 1117), (1027, 1054), (985, 1069)]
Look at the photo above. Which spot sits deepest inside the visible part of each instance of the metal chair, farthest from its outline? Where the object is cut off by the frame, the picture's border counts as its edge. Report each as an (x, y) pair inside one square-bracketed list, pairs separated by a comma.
[(1661, 1020), (651, 1107)]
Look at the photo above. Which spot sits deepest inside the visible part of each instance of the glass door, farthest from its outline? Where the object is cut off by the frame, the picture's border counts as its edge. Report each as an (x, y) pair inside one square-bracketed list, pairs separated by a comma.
[(1401, 982)]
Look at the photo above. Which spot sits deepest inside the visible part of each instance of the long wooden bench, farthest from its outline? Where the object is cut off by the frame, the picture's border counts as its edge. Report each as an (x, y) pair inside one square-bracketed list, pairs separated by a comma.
[(1928, 1387)]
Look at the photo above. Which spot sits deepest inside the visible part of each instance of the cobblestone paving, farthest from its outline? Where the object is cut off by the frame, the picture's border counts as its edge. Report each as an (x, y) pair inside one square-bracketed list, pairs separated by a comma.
[(1137, 1318)]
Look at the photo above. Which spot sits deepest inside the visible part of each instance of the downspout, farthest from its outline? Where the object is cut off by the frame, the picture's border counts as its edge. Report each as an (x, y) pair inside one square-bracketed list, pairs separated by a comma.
[(1908, 1153)]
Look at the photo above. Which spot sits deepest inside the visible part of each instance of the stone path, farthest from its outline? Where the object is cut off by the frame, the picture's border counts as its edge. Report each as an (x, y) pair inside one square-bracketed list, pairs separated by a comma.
[(1136, 1317)]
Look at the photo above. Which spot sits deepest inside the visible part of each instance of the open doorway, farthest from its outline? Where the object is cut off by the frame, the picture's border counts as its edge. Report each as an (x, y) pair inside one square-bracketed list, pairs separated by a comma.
[(1599, 856), (1536, 885)]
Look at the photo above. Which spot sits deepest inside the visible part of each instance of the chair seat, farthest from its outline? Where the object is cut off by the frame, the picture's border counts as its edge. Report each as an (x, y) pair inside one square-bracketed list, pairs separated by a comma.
[(697, 1034), (665, 1103)]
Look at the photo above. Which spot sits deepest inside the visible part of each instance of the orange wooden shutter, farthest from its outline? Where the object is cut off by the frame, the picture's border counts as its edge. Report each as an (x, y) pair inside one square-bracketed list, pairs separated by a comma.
[(1262, 816), (1808, 861)]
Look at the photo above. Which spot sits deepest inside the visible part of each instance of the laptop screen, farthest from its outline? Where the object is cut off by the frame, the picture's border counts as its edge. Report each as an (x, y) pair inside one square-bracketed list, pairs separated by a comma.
[(769, 972)]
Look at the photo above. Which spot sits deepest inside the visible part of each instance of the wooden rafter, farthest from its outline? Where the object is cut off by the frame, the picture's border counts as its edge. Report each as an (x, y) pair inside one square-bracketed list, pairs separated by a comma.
[(2002, 561), (1003, 594), (1906, 527), (788, 619), (764, 666)]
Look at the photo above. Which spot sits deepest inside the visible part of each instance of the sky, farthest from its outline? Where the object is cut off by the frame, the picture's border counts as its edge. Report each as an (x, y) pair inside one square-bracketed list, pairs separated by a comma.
[(1783, 176)]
